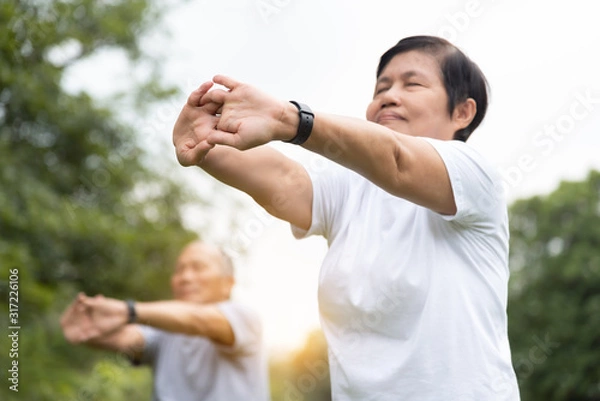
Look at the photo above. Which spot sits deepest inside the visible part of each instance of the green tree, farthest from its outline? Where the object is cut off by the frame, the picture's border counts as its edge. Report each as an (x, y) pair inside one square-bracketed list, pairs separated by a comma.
[(554, 301), (79, 209), (303, 375)]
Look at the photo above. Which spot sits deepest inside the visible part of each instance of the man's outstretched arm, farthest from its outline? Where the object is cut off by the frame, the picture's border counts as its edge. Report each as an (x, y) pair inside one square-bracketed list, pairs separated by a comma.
[(79, 328), (103, 322)]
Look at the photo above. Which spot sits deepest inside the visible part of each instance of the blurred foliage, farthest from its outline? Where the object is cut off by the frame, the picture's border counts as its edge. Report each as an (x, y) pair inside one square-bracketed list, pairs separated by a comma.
[(554, 301), (303, 375), (79, 210)]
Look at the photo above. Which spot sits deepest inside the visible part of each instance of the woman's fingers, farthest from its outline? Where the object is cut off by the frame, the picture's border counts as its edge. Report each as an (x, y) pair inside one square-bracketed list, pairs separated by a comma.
[(218, 137), (226, 81), (214, 96), (196, 96), (193, 154)]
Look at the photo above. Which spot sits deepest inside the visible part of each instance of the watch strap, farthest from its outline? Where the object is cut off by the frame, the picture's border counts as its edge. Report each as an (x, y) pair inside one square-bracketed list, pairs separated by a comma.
[(131, 313), (305, 125)]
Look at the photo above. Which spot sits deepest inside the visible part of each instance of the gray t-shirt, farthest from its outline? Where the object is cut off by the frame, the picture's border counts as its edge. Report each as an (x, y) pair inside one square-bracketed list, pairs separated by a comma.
[(193, 368)]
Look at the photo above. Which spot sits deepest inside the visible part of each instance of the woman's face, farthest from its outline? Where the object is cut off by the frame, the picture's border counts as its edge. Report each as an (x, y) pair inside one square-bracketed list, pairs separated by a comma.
[(410, 97)]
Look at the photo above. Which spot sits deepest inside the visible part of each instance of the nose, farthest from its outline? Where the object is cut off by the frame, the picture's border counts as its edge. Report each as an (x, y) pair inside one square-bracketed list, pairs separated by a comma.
[(391, 97), (184, 275)]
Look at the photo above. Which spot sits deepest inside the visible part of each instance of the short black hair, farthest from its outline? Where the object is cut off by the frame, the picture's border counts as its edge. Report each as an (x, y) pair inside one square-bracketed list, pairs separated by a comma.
[(462, 77)]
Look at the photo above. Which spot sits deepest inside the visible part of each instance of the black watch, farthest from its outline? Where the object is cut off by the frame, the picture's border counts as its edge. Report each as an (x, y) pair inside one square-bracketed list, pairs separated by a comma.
[(306, 123), (132, 315)]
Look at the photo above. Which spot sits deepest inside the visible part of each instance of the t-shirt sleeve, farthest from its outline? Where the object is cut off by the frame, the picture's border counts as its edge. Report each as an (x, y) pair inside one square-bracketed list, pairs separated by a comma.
[(246, 326), (476, 185), (152, 338), (330, 184)]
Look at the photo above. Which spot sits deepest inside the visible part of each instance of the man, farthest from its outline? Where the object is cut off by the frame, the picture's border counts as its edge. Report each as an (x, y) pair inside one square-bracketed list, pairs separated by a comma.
[(412, 291), (201, 345)]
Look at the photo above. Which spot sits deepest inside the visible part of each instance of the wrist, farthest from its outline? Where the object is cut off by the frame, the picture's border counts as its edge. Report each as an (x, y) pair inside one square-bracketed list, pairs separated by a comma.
[(132, 316), (289, 122)]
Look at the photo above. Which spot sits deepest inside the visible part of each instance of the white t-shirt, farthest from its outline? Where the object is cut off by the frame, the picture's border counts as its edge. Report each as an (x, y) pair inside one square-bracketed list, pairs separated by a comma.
[(413, 303), (192, 368)]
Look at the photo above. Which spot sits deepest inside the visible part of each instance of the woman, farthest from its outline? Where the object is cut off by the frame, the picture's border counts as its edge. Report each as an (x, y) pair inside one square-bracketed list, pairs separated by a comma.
[(412, 291)]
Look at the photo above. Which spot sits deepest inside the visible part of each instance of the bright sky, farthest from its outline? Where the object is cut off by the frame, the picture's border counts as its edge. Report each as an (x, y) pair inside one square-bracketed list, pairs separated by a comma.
[(543, 125)]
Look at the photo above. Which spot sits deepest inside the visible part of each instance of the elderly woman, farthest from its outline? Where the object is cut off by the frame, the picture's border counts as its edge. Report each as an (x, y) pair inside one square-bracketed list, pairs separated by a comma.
[(412, 291)]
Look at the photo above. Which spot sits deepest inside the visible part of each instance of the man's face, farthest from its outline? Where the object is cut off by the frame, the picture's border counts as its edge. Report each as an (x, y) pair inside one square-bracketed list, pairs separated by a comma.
[(198, 276), (410, 97)]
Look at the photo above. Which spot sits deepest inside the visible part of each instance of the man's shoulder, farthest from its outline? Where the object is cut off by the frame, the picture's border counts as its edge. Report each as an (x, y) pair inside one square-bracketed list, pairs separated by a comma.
[(237, 308)]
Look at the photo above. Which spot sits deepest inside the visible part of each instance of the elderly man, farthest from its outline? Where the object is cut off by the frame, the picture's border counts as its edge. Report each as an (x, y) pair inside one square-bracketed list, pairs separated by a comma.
[(201, 345)]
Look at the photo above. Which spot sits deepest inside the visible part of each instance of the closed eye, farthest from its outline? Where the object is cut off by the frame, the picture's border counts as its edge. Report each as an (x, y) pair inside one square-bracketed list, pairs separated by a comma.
[(381, 90)]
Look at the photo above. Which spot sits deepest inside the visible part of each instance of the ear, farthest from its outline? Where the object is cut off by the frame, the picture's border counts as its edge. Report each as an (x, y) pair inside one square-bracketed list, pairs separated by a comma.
[(464, 113), (227, 287)]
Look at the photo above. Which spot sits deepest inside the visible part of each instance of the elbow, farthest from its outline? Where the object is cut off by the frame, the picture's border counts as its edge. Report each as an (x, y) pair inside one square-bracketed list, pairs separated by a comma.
[(213, 325), (399, 177)]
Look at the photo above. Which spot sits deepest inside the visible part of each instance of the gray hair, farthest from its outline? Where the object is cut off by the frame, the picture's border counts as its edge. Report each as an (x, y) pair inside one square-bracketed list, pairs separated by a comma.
[(227, 266)]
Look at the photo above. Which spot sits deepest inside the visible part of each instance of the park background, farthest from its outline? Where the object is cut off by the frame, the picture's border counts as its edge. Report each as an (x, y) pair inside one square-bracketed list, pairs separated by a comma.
[(92, 198)]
